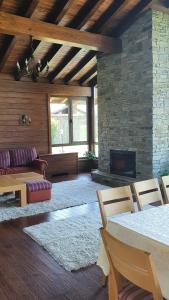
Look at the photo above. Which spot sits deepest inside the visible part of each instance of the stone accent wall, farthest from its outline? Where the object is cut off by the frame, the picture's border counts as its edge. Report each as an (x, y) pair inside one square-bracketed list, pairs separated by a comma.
[(160, 42), (125, 84)]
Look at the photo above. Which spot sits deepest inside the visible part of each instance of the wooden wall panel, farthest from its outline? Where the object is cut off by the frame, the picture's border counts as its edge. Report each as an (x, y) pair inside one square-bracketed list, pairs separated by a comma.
[(17, 98), (12, 106)]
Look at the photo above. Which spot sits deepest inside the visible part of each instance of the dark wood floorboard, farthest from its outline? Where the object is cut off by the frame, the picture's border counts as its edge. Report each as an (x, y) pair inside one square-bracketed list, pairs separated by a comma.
[(28, 272)]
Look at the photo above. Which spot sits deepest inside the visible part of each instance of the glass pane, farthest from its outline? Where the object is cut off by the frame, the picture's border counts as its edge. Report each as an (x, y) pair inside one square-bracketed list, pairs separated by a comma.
[(79, 115), (59, 120), (81, 149), (95, 119), (96, 150)]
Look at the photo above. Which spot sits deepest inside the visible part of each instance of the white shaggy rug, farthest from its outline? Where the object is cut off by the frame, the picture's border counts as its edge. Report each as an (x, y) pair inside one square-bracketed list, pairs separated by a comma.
[(64, 194), (73, 242)]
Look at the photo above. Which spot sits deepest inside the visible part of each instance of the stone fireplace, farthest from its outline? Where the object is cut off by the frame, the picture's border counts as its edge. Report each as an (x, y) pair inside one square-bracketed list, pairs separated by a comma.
[(123, 163), (133, 99)]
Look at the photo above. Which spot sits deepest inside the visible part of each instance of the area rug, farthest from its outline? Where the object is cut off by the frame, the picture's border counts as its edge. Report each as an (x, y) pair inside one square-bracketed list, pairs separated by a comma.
[(64, 194), (73, 242)]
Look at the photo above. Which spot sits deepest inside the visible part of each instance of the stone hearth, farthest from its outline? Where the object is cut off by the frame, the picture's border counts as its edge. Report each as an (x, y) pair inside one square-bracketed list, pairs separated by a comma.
[(133, 98)]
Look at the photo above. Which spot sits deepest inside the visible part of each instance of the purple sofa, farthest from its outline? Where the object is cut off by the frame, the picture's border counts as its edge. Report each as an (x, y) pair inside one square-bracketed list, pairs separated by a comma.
[(21, 160)]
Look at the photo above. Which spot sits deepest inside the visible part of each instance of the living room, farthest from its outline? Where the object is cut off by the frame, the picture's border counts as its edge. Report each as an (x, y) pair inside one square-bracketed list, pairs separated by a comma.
[(84, 149)]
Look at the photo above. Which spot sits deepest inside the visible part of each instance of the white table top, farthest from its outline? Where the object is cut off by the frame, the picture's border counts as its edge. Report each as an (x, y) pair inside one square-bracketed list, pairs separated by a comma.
[(147, 230)]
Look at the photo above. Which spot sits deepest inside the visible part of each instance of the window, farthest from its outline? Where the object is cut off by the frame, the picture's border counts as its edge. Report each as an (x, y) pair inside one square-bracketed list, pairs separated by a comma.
[(69, 125), (95, 122)]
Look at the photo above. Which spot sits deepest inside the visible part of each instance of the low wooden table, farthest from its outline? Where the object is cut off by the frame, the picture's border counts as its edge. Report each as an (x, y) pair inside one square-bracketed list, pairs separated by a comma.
[(16, 183)]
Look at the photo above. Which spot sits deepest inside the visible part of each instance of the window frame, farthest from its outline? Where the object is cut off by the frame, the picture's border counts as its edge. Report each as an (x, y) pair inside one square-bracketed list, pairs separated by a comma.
[(70, 120)]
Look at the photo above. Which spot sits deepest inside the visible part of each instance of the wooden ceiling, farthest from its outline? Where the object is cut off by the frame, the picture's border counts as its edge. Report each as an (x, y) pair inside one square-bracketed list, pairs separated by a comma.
[(68, 65)]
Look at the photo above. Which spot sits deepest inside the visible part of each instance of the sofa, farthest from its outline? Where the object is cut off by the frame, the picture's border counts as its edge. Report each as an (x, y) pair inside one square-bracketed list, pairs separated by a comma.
[(21, 160)]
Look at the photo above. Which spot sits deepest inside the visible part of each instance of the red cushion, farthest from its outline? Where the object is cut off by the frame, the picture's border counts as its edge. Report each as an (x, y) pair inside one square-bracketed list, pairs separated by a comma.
[(132, 292), (38, 196)]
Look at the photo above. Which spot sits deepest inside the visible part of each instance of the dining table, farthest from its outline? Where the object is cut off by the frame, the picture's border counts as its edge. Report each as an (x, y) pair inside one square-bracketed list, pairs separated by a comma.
[(147, 230)]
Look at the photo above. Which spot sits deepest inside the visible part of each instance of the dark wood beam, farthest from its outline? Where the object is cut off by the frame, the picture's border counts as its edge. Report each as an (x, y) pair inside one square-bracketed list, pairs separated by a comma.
[(1, 2), (77, 22), (96, 27), (12, 24), (66, 59), (85, 13), (11, 41), (39, 88), (113, 7), (64, 6), (130, 18), (86, 76), (79, 66), (93, 81), (117, 15), (54, 16)]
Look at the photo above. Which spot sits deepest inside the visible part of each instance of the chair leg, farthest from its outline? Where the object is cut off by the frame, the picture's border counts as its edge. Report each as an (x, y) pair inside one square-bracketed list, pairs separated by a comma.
[(112, 291)]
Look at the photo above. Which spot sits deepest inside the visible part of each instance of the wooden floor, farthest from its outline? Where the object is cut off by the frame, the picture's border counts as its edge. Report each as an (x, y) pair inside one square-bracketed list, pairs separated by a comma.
[(28, 272)]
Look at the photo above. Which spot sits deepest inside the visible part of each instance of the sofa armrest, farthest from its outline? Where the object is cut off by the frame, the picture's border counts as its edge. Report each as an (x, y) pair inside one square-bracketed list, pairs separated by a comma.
[(40, 165)]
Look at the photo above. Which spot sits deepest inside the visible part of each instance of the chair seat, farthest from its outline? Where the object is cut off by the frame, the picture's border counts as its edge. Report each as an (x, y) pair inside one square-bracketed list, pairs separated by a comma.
[(132, 292)]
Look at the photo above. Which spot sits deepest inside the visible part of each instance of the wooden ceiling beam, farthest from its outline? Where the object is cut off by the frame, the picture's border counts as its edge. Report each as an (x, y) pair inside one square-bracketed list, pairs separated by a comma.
[(79, 66), (77, 22), (39, 87), (125, 7), (84, 14), (11, 41), (113, 7), (12, 24), (96, 27), (62, 11), (1, 2), (66, 59), (93, 81), (100, 26), (53, 16), (87, 76), (130, 18)]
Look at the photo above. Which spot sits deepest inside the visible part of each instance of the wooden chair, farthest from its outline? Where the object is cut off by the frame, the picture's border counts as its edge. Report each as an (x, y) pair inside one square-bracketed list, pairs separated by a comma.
[(134, 265), (115, 201), (146, 192), (165, 186)]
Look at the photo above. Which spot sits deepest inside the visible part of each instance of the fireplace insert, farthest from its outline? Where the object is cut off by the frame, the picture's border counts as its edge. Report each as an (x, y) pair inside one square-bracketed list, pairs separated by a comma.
[(123, 163)]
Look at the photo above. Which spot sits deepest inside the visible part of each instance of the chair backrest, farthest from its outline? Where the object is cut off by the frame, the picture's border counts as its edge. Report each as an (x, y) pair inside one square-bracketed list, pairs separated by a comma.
[(165, 185), (115, 201), (133, 264), (147, 191)]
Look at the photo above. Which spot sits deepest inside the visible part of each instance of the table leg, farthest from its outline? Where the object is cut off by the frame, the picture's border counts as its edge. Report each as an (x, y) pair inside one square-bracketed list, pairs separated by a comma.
[(23, 197)]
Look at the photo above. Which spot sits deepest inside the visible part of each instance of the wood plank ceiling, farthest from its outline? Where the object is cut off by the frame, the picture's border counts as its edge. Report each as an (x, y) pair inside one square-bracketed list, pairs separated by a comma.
[(68, 65)]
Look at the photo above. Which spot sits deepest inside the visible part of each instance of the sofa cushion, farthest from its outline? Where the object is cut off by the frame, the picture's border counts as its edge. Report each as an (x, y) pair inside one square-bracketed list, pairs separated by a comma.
[(132, 292), (4, 159), (2, 172), (22, 156)]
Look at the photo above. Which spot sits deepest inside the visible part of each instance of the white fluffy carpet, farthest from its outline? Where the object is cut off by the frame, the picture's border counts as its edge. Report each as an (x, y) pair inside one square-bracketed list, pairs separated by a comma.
[(64, 194), (73, 242)]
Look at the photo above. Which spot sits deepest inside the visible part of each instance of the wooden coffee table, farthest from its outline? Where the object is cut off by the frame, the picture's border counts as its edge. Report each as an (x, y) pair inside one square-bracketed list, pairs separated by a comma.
[(16, 183)]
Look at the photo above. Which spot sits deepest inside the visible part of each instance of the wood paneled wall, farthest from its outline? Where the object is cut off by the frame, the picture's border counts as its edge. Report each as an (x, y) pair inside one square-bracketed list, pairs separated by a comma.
[(17, 98), (12, 106)]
